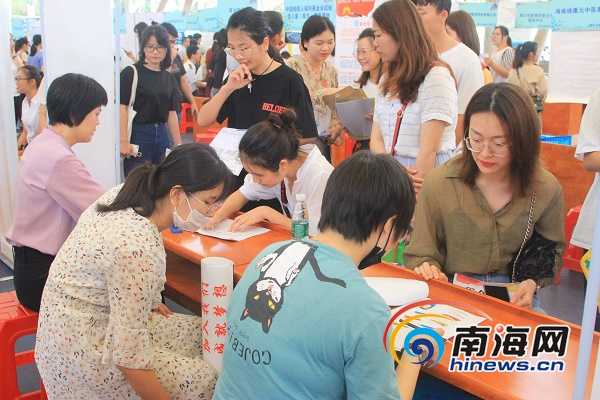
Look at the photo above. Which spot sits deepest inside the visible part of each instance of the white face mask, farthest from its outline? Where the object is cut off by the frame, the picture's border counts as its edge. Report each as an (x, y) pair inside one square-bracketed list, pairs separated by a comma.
[(193, 222)]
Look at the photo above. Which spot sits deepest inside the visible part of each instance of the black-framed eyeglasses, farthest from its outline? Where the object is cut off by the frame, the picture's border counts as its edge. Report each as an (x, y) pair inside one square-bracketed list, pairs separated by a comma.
[(406, 235), (477, 146), (150, 49)]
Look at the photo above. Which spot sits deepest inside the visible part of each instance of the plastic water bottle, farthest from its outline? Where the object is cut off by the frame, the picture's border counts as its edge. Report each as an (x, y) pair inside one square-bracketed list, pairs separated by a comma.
[(300, 218)]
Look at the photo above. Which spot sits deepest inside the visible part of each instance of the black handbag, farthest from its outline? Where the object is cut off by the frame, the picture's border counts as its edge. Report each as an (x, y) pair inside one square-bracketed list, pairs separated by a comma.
[(536, 257)]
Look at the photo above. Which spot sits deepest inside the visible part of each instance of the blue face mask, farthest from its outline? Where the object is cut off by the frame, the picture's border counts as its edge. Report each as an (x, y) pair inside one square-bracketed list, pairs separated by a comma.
[(193, 222)]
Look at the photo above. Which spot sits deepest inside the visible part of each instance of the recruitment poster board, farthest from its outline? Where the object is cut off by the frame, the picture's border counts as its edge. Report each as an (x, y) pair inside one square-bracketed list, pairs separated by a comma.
[(352, 17)]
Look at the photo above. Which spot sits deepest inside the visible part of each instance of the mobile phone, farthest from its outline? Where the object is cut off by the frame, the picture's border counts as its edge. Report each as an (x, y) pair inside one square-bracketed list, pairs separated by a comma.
[(499, 292), (292, 37)]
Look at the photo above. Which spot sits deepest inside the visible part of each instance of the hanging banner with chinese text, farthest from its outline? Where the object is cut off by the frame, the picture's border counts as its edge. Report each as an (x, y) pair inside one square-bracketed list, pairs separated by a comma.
[(484, 14), (575, 15), (534, 15), (296, 12)]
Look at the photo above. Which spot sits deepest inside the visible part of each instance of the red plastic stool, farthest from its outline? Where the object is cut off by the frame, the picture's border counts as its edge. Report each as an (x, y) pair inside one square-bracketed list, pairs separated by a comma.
[(572, 255), (15, 321), (187, 120)]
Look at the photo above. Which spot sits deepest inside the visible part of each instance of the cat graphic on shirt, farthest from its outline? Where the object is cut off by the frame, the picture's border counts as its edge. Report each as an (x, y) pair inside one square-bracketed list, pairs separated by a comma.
[(278, 270)]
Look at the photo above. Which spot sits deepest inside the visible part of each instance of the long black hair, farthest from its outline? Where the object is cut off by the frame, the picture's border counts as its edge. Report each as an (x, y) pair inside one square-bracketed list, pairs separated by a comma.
[(193, 166), (37, 39), (522, 53)]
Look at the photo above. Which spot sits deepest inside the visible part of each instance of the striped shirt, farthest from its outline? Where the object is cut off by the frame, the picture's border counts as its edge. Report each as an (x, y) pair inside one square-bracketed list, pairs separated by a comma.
[(436, 100)]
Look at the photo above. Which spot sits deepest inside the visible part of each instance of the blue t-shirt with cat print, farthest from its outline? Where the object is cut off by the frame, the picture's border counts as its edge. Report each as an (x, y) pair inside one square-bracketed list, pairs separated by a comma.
[(303, 323)]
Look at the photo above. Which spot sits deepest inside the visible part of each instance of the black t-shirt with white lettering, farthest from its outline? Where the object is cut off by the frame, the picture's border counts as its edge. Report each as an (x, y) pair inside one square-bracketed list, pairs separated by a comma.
[(273, 92), (155, 96)]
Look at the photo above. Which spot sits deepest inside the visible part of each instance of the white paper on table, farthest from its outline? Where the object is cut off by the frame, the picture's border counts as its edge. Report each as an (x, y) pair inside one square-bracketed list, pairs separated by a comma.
[(221, 231), (398, 291), (217, 287), (352, 116), (226, 144)]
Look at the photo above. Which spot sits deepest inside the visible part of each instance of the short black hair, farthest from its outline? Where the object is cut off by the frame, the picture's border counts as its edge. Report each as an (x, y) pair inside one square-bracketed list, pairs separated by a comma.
[(162, 37), (197, 36), (363, 192), (191, 50), (440, 5), (72, 97), (314, 26), (171, 29)]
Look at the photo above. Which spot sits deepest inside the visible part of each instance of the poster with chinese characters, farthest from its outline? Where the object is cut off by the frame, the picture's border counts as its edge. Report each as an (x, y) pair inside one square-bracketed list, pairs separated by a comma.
[(352, 17), (534, 15), (575, 15), (296, 12), (216, 289)]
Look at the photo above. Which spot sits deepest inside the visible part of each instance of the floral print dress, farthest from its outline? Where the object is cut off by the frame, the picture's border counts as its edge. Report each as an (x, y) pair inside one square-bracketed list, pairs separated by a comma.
[(96, 313), (317, 85)]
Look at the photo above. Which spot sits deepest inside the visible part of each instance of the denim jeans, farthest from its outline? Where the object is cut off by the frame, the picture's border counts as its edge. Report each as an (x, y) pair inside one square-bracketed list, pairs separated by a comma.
[(536, 304), (153, 139)]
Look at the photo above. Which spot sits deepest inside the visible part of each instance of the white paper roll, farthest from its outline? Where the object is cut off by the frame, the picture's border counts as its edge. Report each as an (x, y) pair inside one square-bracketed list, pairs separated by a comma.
[(217, 287)]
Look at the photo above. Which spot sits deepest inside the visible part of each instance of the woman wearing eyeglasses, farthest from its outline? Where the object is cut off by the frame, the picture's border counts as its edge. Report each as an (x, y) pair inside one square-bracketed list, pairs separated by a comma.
[(473, 211), (372, 69), (502, 59), (103, 331), (156, 102), (259, 85), (28, 82)]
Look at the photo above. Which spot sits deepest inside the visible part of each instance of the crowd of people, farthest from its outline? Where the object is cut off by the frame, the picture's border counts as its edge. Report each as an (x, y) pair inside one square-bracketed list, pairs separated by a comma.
[(93, 262)]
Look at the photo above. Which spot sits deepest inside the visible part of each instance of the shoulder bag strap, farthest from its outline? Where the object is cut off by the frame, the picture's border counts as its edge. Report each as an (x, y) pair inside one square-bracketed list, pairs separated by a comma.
[(529, 222), (134, 83), (399, 116), (130, 110)]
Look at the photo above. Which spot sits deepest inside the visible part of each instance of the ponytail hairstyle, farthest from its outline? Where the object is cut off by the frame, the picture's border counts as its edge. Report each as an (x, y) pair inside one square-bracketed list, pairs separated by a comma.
[(364, 77), (267, 143), (522, 53), (193, 166), (37, 40), (32, 73), (252, 22), (504, 32)]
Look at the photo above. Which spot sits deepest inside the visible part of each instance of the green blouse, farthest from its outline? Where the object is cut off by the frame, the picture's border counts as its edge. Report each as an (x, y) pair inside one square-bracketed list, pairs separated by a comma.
[(456, 230)]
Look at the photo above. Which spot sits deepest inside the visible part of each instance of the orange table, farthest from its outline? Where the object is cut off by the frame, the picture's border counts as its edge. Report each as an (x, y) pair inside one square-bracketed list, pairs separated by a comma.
[(183, 283)]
